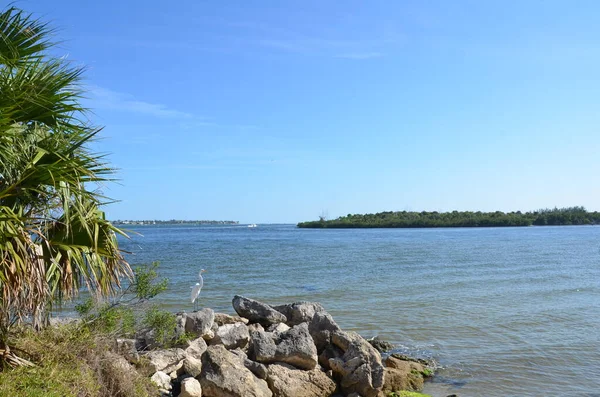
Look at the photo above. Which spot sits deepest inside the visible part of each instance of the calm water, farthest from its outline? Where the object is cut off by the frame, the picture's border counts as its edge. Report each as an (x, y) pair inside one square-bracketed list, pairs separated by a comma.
[(505, 311)]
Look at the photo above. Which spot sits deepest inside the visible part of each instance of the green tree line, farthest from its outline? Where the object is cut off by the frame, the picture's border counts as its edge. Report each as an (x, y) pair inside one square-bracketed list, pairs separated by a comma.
[(411, 219)]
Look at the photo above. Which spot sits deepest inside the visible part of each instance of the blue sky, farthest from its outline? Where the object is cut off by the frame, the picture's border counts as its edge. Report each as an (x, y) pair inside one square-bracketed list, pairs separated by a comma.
[(280, 111)]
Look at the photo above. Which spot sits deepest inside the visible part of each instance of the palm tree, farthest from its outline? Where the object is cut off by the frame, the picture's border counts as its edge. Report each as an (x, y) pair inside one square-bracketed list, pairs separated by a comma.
[(54, 239)]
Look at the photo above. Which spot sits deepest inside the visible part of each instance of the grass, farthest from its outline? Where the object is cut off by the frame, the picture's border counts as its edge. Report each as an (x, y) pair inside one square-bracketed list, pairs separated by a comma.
[(71, 361)]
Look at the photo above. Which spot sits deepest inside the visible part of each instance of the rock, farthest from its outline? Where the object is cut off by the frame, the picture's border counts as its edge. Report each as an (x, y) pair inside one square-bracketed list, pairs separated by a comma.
[(199, 323), (331, 351), (281, 327), (180, 325), (162, 380), (146, 340), (423, 362), (299, 312), (257, 312), (255, 327), (222, 319), (232, 336), (208, 336), (167, 361), (190, 387), (192, 366), (287, 381), (320, 328), (127, 349), (258, 369), (164, 392), (320, 323), (195, 348), (224, 376), (402, 375), (294, 347), (381, 345), (360, 369)]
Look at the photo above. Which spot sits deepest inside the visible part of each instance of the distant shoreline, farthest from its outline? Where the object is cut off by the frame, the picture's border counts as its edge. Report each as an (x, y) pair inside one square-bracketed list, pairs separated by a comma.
[(173, 222), (403, 219)]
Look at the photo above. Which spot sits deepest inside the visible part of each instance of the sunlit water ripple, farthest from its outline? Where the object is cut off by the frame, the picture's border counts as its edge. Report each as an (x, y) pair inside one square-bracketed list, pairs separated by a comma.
[(505, 311)]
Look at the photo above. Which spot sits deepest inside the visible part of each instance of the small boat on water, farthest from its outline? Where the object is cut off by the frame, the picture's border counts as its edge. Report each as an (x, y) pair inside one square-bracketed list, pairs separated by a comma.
[(252, 225)]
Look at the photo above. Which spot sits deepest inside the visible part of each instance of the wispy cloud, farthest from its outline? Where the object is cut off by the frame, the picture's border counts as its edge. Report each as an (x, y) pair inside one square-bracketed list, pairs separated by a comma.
[(103, 98)]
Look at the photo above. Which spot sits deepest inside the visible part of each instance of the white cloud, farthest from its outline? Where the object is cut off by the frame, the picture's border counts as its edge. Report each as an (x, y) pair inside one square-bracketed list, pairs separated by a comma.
[(103, 98)]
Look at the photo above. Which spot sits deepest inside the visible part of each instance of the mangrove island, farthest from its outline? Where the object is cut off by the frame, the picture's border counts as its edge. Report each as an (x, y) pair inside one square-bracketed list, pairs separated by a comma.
[(411, 219)]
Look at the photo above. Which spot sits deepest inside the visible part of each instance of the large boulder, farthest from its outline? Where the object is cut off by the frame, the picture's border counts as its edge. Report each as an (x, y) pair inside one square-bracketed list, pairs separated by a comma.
[(294, 347), (360, 369), (402, 375), (320, 323), (190, 387), (321, 327), (299, 312), (167, 360), (224, 375), (257, 312), (200, 323), (287, 381), (232, 336)]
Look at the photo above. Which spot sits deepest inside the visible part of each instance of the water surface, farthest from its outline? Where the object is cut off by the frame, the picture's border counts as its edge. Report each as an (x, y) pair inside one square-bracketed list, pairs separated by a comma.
[(505, 311)]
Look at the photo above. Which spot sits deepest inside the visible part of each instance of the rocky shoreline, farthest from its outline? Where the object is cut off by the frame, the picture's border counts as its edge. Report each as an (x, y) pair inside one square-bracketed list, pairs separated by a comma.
[(292, 350)]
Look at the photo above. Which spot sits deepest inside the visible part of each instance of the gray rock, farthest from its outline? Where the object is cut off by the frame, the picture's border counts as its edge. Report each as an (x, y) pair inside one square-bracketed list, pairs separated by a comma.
[(161, 379), (381, 345), (360, 369), (208, 336), (222, 319), (321, 327), (192, 366), (281, 327), (257, 312), (331, 351), (190, 387), (127, 349), (294, 347), (232, 336), (200, 323), (320, 323), (180, 326), (258, 369), (224, 376), (255, 327), (287, 381), (167, 360), (195, 348), (299, 312)]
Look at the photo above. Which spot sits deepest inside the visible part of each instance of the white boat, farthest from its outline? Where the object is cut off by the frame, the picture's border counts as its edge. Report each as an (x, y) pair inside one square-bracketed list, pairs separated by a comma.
[(252, 225)]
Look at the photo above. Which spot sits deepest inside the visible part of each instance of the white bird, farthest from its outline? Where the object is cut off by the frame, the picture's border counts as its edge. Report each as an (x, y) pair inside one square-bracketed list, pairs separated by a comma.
[(196, 290)]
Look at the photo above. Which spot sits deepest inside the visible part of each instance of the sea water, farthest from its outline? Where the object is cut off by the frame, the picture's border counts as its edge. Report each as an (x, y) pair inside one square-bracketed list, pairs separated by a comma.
[(503, 311)]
